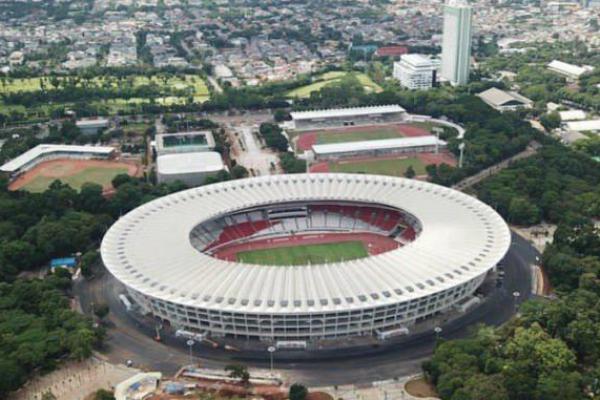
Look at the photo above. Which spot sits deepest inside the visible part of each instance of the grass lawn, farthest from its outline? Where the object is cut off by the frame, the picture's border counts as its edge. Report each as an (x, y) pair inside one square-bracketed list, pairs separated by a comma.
[(305, 254), (377, 133), (391, 167), (99, 175), (329, 78)]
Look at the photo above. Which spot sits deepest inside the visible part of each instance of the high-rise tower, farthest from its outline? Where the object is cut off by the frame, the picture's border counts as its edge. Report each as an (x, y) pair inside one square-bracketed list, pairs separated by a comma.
[(456, 44)]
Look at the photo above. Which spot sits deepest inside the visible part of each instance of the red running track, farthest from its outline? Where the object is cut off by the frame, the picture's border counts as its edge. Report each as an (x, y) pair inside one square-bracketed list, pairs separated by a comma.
[(375, 244)]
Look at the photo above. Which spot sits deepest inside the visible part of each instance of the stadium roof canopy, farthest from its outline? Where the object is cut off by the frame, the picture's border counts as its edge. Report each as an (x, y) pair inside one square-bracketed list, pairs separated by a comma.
[(182, 163), (45, 149), (372, 145), (346, 112), (149, 249)]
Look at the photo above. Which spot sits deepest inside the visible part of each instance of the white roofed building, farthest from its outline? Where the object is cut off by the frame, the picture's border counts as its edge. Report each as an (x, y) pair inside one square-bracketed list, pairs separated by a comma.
[(590, 125), (189, 168), (572, 115), (502, 100), (571, 71), (416, 71), (46, 152), (416, 144), (341, 117)]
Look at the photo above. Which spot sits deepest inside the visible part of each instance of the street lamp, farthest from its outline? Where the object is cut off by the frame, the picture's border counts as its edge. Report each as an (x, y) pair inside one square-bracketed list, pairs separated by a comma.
[(190, 343), (271, 350), (437, 331), (516, 296)]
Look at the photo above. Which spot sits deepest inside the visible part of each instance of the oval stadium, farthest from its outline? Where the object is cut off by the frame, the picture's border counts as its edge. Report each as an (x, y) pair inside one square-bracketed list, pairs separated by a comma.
[(302, 258)]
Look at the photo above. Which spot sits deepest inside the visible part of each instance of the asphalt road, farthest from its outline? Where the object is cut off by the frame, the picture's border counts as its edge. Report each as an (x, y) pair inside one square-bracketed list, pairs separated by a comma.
[(130, 340)]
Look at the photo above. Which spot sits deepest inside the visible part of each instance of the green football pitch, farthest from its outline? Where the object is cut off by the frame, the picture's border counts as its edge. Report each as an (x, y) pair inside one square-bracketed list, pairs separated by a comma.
[(391, 167), (368, 133), (305, 254)]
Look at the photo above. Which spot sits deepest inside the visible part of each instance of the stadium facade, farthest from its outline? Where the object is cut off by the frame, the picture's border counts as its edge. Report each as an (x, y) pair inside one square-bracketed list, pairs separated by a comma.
[(164, 252)]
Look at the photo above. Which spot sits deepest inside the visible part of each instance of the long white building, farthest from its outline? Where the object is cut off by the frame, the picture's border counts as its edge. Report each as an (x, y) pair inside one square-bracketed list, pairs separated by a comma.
[(343, 117), (163, 252), (416, 71), (456, 42)]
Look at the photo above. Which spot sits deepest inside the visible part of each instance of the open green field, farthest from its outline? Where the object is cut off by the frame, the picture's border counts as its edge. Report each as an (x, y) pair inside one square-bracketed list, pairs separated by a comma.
[(305, 254), (374, 133), (100, 175), (329, 78), (391, 167), (192, 84)]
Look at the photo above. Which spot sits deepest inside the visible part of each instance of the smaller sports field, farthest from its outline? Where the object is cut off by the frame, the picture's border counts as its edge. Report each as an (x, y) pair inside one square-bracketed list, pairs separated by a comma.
[(306, 140), (305, 254), (72, 172), (391, 167)]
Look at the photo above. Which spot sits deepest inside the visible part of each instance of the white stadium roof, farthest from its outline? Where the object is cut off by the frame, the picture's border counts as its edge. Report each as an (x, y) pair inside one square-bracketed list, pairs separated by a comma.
[(346, 112), (44, 149), (383, 144), (183, 163), (149, 249)]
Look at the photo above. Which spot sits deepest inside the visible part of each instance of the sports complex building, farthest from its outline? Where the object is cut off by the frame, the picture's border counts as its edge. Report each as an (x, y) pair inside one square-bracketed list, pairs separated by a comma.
[(300, 258), (341, 117), (47, 152), (376, 148)]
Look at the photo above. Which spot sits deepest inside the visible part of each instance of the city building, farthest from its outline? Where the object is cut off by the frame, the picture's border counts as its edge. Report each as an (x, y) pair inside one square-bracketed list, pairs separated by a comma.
[(189, 168), (174, 256), (418, 144), (503, 100), (92, 126), (184, 142), (416, 71), (456, 42), (341, 117)]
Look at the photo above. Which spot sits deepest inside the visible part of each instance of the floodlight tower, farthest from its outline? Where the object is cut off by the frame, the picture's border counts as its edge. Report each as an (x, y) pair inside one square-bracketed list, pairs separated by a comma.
[(461, 147)]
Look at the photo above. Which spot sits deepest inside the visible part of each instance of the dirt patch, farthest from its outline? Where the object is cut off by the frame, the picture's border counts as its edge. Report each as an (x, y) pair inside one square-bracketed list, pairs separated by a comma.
[(420, 388)]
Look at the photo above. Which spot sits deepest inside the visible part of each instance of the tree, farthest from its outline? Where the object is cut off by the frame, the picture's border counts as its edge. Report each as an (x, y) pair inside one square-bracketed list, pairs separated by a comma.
[(410, 172), (550, 121), (239, 171), (238, 371), (101, 310), (298, 392), (48, 395), (103, 394)]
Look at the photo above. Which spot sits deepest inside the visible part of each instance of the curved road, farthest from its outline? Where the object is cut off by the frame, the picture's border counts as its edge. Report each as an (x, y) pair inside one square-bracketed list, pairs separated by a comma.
[(130, 340)]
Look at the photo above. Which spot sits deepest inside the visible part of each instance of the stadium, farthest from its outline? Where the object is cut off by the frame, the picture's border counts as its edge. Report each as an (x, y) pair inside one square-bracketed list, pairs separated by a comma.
[(294, 259)]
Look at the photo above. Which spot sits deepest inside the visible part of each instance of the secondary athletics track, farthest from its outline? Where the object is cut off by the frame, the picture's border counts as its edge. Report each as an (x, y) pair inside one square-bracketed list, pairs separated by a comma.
[(306, 140), (67, 167)]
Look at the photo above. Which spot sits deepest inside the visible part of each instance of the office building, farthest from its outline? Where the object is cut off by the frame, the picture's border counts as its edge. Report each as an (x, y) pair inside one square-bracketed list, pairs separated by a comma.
[(416, 71)]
